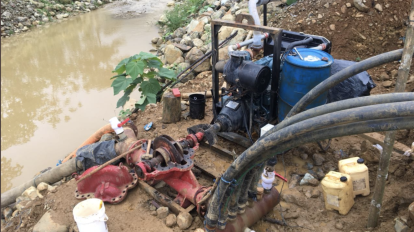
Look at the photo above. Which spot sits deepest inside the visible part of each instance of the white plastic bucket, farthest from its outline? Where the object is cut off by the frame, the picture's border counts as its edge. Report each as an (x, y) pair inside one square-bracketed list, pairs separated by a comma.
[(90, 216)]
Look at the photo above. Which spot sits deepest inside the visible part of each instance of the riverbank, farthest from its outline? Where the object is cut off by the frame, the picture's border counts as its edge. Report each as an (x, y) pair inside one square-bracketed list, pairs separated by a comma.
[(24, 15)]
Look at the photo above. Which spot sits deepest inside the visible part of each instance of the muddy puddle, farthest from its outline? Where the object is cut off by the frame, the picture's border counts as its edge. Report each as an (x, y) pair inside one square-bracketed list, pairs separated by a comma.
[(55, 83)]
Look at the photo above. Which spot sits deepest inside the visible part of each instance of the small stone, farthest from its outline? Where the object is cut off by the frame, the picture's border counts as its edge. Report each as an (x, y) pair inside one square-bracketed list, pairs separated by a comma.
[(184, 220), (378, 7), (292, 215), (42, 186), (400, 226), (320, 16), (155, 40), (153, 213), (304, 156), (7, 212), (309, 165), (315, 193), (343, 9), (171, 220), (294, 196), (52, 189), (361, 6), (387, 84), (308, 179), (348, 5), (318, 159), (21, 19), (394, 73), (15, 213), (30, 193), (152, 207), (339, 225), (162, 212), (332, 27), (199, 230), (384, 76), (326, 5), (25, 28)]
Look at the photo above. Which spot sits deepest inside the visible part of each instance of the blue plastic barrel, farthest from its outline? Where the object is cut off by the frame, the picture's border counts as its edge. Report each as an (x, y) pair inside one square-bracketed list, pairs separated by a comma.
[(300, 76)]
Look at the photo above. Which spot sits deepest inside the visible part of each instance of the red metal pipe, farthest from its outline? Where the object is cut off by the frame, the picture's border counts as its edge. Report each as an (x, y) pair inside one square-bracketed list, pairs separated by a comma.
[(253, 214)]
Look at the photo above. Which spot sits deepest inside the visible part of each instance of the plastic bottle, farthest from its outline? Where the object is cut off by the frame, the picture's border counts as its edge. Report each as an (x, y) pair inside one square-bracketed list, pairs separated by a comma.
[(337, 192), (358, 171)]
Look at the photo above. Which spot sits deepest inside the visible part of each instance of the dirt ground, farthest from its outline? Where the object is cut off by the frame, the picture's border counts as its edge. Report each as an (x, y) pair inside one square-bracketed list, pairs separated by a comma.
[(355, 37)]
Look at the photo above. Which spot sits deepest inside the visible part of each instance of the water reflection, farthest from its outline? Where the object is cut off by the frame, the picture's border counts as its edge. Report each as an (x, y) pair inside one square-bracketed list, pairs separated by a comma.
[(38, 76), (8, 172)]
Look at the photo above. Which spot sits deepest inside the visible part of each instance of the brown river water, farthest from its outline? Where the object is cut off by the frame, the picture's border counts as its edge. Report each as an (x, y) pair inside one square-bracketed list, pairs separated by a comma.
[(55, 83)]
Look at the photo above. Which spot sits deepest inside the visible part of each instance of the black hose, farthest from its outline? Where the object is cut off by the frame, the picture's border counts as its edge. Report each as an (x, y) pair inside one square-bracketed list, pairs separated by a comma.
[(290, 132), (343, 75), (298, 43), (398, 123), (342, 105)]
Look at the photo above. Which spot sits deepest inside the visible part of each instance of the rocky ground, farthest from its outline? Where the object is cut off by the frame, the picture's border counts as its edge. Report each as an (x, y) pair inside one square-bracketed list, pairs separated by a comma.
[(358, 30), (23, 15)]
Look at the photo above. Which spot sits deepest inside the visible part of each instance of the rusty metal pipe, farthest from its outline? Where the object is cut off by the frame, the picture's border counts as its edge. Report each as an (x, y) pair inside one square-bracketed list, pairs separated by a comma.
[(253, 214)]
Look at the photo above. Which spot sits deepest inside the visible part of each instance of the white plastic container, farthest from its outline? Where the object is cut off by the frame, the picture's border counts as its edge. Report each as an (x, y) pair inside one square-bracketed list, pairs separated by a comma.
[(90, 216), (358, 171), (337, 192)]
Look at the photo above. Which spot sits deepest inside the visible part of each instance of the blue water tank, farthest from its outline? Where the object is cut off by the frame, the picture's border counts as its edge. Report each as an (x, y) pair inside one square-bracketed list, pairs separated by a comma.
[(300, 76)]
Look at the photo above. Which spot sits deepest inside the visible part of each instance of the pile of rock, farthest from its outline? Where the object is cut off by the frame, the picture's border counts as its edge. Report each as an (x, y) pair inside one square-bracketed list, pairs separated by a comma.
[(183, 220), (21, 15), (25, 201), (187, 44)]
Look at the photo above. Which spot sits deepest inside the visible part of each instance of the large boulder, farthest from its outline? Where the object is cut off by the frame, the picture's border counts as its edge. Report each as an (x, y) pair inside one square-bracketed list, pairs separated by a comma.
[(184, 220), (195, 54), (171, 54), (227, 31)]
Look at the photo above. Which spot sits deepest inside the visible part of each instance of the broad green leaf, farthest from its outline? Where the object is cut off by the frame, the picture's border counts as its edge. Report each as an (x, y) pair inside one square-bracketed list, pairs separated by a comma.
[(120, 68), (135, 68), (142, 106), (167, 73), (152, 98), (122, 74), (154, 63), (146, 55), (141, 100), (121, 102), (150, 74), (135, 57), (120, 83), (150, 87)]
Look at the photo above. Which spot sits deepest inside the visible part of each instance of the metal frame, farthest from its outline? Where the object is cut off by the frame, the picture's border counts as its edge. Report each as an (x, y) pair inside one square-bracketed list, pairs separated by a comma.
[(275, 33)]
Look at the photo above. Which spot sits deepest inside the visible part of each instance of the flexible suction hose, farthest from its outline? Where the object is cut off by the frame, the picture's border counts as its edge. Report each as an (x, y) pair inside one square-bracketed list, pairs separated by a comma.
[(383, 117), (342, 105)]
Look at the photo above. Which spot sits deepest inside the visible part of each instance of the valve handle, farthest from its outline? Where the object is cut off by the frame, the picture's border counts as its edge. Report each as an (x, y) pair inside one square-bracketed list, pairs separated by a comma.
[(123, 122)]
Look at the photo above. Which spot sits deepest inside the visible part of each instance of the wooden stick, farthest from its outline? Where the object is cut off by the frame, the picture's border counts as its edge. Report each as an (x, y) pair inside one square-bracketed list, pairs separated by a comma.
[(148, 147), (382, 173), (107, 163), (161, 198), (187, 95)]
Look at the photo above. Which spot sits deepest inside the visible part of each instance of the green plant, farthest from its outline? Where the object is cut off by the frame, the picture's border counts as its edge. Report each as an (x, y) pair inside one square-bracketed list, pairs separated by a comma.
[(179, 15), (123, 114), (10, 32), (358, 59), (141, 69)]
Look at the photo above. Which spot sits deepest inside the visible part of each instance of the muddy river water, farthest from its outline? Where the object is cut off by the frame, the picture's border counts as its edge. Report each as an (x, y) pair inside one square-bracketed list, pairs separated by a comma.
[(55, 83)]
